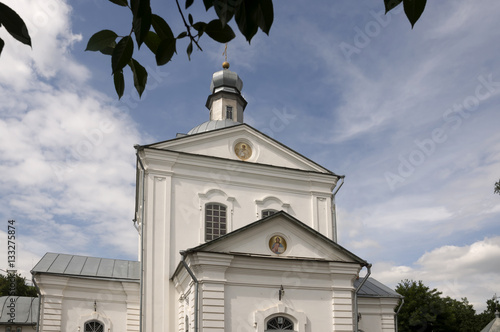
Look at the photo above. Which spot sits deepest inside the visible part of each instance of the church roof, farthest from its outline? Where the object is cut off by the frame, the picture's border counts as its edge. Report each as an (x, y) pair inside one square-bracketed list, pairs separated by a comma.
[(26, 310), (182, 138), (374, 288), (212, 125), (494, 325), (90, 267), (291, 219)]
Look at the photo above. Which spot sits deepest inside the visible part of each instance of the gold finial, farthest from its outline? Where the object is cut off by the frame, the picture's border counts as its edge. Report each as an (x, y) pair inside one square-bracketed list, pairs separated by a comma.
[(225, 64)]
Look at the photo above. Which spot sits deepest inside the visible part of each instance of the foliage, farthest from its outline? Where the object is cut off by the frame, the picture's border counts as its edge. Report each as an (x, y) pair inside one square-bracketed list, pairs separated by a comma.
[(21, 288), (14, 25), (497, 187), (155, 32), (424, 310)]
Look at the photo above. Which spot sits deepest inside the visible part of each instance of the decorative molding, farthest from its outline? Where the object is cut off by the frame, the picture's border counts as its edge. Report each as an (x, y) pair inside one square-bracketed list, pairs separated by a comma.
[(262, 316)]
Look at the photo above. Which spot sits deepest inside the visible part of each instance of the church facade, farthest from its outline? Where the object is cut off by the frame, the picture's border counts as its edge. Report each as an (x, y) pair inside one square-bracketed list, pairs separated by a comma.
[(237, 233)]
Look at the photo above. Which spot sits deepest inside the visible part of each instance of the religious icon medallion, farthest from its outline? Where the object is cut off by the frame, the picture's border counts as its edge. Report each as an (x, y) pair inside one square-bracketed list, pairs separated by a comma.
[(277, 244), (243, 150)]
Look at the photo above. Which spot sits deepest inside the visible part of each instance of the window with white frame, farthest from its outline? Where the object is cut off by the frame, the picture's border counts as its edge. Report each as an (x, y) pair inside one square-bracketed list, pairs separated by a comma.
[(215, 221), (268, 212), (279, 323), (94, 326)]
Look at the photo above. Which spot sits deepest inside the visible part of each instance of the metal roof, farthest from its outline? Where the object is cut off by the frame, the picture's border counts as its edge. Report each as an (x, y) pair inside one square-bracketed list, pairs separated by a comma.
[(494, 325), (212, 125), (374, 288), (83, 266), (25, 310)]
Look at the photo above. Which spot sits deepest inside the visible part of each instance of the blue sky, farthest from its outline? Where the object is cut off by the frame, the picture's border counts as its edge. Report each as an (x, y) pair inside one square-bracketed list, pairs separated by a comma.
[(408, 116)]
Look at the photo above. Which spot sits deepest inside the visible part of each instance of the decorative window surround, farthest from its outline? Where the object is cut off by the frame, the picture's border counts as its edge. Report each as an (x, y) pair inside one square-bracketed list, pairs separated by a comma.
[(216, 196), (297, 317), (270, 203)]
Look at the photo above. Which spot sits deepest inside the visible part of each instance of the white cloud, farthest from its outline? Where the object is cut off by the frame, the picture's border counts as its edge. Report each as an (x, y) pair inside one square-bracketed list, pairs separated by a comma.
[(457, 271), (66, 150)]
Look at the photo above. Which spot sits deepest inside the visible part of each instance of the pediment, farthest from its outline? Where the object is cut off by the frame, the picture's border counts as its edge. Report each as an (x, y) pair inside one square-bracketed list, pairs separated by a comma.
[(296, 240), (243, 143)]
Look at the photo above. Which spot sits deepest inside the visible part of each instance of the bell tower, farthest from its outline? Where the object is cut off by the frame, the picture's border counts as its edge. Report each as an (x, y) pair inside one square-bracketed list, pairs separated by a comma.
[(225, 101)]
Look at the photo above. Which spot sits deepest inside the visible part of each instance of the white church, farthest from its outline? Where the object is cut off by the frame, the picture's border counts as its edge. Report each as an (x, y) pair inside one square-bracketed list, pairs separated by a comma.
[(237, 233)]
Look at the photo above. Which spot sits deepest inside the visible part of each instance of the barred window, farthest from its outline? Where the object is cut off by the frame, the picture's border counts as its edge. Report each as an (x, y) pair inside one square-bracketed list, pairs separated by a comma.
[(94, 326), (268, 212), (215, 221), (279, 323)]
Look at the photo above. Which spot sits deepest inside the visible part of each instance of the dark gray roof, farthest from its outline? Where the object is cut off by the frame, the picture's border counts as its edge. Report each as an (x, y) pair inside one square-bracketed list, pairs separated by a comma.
[(374, 288), (83, 266), (25, 310)]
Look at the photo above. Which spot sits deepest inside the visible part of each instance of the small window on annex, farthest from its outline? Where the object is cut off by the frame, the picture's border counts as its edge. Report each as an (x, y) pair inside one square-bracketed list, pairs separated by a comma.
[(229, 112), (279, 323), (215, 221), (268, 212), (94, 326)]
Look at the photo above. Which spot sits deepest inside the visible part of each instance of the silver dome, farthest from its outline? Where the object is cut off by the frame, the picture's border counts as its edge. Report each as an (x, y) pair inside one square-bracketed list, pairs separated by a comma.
[(212, 125)]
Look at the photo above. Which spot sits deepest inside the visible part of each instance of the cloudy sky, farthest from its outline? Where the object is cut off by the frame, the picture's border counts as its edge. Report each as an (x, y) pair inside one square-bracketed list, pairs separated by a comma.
[(409, 116)]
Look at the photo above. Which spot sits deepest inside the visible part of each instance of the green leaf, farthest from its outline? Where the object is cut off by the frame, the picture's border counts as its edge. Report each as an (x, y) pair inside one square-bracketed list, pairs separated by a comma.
[(2, 44), (390, 4), (189, 3), (165, 51), (218, 33), (190, 18), (101, 40), (109, 49), (119, 83), (189, 50), (122, 54), (182, 35), (14, 24), (208, 4), (152, 41), (225, 9), (161, 27), (141, 20), (265, 15), (200, 26), (246, 18), (414, 9), (140, 76), (123, 3)]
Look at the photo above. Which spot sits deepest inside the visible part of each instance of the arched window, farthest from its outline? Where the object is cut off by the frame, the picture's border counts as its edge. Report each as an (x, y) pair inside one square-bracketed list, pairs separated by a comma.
[(94, 326), (268, 212), (215, 221), (279, 323)]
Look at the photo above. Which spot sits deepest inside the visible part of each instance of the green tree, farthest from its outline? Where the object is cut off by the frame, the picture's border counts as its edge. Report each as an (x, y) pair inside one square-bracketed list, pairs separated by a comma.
[(488, 314), (497, 187), (20, 289), (423, 309), (154, 31)]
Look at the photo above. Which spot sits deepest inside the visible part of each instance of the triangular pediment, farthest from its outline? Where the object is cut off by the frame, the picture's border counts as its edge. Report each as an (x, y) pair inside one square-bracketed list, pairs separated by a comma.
[(243, 143), (296, 240)]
